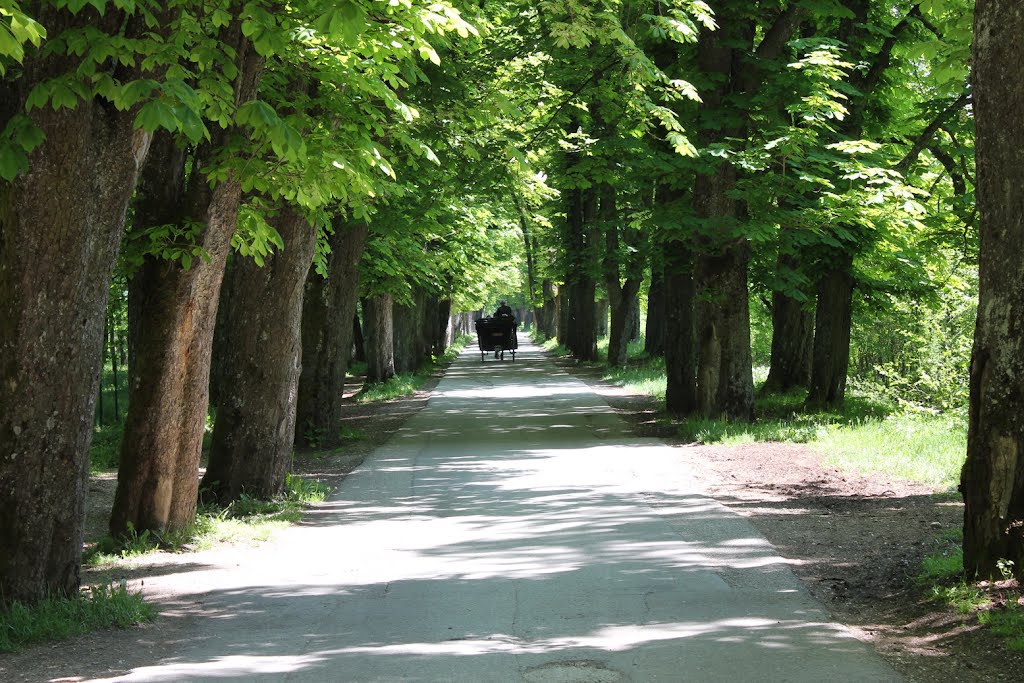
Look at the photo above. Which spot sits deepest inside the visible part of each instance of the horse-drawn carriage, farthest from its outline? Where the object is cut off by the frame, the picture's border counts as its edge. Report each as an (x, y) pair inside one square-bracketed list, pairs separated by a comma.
[(497, 335)]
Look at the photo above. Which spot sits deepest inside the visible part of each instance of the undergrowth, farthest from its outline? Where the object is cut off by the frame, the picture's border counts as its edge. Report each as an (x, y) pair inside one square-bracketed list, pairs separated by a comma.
[(246, 520), (59, 618)]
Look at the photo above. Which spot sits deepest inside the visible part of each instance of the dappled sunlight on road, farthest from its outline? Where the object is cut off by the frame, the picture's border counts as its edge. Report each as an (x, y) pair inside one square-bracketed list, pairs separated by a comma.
[(515, 530)]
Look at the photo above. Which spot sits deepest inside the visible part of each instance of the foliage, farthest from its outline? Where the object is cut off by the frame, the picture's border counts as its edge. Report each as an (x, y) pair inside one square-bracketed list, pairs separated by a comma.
[(56, 618)]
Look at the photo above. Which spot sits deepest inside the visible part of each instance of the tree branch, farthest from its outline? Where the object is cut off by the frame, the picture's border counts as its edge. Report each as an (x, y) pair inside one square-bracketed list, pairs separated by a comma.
[(924, 139)]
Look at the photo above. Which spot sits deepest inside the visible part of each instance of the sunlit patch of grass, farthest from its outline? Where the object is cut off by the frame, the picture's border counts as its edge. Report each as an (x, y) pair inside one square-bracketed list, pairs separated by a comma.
[(963, 596), (552, 346), (647, 378), (247, 520), (98, 607), (925, 448)]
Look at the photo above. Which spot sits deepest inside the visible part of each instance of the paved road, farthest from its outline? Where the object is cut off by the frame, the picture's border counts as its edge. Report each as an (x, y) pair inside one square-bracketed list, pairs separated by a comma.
[(514, 530)]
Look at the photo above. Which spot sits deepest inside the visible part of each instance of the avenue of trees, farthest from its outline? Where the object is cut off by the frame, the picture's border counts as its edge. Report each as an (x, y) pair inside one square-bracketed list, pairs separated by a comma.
[(224, 198)]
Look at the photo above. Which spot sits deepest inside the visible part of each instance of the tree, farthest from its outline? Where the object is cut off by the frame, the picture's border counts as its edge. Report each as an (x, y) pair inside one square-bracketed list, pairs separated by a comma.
[(992, 481), (328, 310), (70, 114), (158, 475), (258, 357)]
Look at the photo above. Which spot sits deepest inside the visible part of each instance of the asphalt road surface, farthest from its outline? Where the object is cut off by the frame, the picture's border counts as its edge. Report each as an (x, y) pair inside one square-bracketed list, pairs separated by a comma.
[(514, 530)]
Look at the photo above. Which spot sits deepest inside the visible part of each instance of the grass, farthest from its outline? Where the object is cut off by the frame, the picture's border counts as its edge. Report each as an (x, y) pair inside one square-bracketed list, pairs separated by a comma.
[(247, 520), (98, 607), (1008, 623)]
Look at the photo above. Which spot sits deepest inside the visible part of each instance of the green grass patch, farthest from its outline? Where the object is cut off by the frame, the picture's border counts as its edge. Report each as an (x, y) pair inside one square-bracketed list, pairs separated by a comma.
[(247, 520), (1008, 623), (963, 596), (98, 607), (917, 447), (105, 452), (866, 435)]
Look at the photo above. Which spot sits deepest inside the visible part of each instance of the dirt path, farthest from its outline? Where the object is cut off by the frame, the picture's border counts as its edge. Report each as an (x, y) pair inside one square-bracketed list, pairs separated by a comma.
[(856, 542)]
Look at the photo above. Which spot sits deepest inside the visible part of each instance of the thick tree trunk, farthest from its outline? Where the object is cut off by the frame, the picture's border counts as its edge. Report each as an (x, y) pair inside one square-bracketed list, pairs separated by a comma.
[(725, 383), (680, 332), (259, 357), (60, 228), (792, 344), (633, 326), (328, 325), (833, 316), (564, 312), (158, 478), (409, 323), (654, 335), (621, 295), (548, 322), (992, 481), (439, 332), (582, 321), (380, 341)]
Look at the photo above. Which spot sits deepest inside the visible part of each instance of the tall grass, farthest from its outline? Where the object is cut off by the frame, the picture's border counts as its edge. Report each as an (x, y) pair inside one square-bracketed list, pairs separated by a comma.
[(56, 618)]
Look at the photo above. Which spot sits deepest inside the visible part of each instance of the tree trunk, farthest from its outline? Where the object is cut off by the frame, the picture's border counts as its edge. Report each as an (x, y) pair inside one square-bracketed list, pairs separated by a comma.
[(442, 321), (564, 310), (792, 344), (158, 478), (654, 335), (725, 385), (408, 334), (380, 341), (548, 322), (680, 332), (358, 340), (633, 328), (260, 321), (328, 324), (60, 228), (583, 288), (992, 480), (831, 359)]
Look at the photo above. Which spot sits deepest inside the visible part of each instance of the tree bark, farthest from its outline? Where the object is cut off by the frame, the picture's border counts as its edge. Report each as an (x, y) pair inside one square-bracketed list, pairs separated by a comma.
[(583, 287), (60, 228), (158, 478), (833, 316), (409, 332), (549, 314), (380, 342), (725, 385), (725, 382), (992, 480), (328, 325), (792, 344), (621, 294), (260, 321), (680, 333), (654, 335), (442, 321)]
